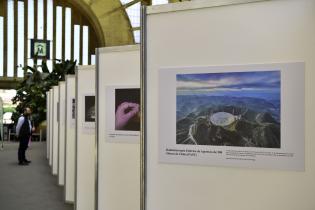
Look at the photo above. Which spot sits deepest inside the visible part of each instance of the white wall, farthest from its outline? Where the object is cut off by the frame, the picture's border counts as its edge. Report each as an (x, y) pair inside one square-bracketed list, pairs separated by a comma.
[(118, 163), (263, 32), (86, 144), (69, 141)]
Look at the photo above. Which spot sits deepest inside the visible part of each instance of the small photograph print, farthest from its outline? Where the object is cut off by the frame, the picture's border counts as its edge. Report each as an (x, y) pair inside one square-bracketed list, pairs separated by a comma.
[(58, 111), (73, 108), (229, 109), (127, 109), (89, 108)]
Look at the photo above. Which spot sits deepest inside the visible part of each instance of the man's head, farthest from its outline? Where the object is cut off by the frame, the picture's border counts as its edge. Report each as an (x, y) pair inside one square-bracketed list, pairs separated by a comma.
[(27, 111)]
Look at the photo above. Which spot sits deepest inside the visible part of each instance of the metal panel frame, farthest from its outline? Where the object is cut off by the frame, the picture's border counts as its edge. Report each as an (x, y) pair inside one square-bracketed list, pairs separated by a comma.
[(97, 52), (76, 136)]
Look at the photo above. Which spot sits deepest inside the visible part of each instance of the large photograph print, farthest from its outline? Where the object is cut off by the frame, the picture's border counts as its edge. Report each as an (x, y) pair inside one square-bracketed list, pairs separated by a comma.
[(236, 115), (229, 109)]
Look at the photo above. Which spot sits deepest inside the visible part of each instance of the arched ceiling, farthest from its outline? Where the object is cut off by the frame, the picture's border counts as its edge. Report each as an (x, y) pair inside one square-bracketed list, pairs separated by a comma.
[(113, 21)]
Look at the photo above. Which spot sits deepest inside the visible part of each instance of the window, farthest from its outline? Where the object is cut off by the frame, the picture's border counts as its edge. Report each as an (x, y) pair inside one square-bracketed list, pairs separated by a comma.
[(136, 35), (134, 14), (20, 42), (59, 32), (1, 46), (76, 47), (158, 2), (30, 30), (70, 33), (133, 10), (85, 45), (50, 29), (10, 38)]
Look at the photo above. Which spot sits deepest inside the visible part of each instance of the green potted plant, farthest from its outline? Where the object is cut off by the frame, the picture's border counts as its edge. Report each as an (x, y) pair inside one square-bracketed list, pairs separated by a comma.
[(32, 90)]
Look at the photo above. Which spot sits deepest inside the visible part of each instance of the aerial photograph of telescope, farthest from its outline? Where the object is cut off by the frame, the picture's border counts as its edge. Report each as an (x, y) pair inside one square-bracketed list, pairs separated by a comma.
[(241, 109)]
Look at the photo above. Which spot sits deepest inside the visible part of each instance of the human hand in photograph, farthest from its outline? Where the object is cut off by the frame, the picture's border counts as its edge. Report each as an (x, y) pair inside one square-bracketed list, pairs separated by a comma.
[(126, 111)]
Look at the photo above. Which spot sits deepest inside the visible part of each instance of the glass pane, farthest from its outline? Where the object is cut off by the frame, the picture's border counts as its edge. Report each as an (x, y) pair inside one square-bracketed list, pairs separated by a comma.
[(51, 51), (50, 20), (76, 47), (39, 62), (134, 14), (92, 59), (30, 27), (85, 46), (30, 20), (68, 34), (50, 26), (10, 39), (40, 19), (59, 32), (20, 53), (30, 62), (136, 34), (125, 1), (1, 46), (157, 2), (50, 65)]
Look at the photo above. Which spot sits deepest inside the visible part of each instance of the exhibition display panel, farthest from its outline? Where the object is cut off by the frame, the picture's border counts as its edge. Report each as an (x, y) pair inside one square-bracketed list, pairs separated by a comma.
[(118, 127), (48, 124), (61, 133), (70, 139), (51, 94), (85, 166), (226, 85), (55, 132)]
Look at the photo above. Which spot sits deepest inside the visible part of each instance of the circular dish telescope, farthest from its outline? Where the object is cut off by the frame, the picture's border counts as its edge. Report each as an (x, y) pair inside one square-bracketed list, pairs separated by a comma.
[(224, 119)]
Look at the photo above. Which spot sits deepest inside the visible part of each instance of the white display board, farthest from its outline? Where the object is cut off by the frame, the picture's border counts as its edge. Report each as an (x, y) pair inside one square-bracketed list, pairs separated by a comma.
[(118, 157), (61, 130), (240, 116), (200, 34), (70, 139), (51, 95), (55, 126), (47, 124), (85, 140)]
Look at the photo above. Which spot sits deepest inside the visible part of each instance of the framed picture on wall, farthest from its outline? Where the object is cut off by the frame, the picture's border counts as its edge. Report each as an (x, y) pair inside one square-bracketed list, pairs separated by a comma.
[(40, 49)]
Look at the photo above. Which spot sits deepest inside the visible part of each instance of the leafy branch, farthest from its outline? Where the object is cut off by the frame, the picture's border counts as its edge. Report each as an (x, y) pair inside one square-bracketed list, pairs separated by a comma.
[(38, 80)]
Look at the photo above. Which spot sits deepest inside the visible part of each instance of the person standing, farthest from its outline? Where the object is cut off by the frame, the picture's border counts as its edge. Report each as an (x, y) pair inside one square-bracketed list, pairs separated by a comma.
[(24, 132)]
